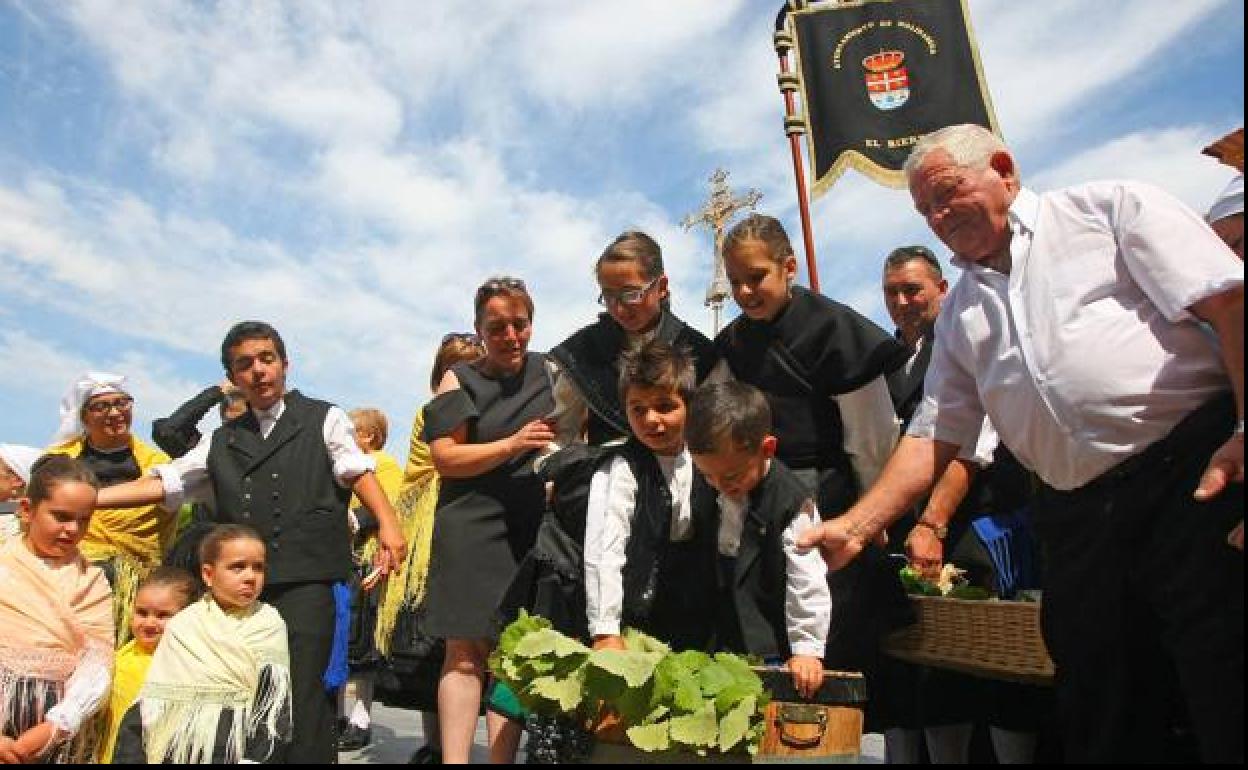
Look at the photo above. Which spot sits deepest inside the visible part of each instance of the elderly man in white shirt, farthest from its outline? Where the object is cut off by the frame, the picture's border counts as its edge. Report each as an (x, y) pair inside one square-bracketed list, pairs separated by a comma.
[(1100, 328)]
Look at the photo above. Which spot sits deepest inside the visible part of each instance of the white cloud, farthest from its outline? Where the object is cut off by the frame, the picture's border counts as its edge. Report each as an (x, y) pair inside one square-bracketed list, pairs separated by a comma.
[(1044, 59)]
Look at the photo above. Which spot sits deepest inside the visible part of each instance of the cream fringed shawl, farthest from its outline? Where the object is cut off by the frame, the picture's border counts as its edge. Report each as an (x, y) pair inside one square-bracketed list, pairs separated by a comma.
[(55, 618), (210, 662)]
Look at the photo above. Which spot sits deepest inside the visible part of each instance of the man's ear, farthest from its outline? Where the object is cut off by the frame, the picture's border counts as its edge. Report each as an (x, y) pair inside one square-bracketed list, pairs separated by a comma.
[(768, 446), (1003, 163)]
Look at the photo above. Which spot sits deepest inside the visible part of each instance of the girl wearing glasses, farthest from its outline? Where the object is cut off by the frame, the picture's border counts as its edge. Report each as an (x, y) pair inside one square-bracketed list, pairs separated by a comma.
[(634, 296), (96, 416), (483, 428)]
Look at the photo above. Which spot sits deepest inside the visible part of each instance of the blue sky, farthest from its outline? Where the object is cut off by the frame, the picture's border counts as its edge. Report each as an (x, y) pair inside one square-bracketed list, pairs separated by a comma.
[(350, 171)]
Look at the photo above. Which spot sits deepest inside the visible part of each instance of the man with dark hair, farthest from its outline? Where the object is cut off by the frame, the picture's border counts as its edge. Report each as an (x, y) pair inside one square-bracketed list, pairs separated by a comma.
[(286, 467), (1101, 328), (914, 287), (917, 702)]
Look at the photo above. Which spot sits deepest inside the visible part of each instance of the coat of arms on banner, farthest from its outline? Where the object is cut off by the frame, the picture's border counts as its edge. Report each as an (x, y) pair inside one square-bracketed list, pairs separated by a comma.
[(888, 83)]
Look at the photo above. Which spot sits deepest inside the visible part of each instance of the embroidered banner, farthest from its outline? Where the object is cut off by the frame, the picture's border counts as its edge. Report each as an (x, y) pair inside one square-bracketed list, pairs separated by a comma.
[(877, 75)]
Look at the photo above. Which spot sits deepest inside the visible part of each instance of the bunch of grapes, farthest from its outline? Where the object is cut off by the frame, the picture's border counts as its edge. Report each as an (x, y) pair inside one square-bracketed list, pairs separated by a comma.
[(556, 741)]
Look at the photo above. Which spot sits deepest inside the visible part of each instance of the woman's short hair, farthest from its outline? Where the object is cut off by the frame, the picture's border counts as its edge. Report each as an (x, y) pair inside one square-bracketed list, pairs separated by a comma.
[(501, 286)]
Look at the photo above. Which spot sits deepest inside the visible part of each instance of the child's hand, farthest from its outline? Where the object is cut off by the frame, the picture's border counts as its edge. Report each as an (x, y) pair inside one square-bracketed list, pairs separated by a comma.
[(807, 673), (8, 751), (609, 642), (32, 743)]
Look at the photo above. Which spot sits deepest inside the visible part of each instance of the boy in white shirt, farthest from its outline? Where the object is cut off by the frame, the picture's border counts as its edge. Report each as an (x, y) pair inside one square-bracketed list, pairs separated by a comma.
[(650, 520), (774, 598)]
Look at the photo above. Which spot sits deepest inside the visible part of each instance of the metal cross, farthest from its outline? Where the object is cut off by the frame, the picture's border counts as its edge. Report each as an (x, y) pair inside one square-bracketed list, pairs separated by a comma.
[(714, 216)]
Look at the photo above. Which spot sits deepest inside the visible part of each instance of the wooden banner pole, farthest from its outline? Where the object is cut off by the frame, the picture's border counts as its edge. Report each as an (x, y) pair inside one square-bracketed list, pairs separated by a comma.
[(795, 126)]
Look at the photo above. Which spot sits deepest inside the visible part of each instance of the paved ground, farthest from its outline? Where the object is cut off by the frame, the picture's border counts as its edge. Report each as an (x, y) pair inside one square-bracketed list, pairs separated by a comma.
[(397, 733)]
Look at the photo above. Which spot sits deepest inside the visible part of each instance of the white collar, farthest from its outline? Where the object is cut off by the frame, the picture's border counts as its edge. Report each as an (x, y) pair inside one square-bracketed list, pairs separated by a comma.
[(273, 413)]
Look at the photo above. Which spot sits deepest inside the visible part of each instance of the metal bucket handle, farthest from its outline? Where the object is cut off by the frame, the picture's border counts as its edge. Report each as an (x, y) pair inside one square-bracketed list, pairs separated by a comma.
[(801, 714)]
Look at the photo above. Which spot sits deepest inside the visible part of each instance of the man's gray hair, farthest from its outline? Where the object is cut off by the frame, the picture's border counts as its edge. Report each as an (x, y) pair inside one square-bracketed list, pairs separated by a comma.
[(969, 145)]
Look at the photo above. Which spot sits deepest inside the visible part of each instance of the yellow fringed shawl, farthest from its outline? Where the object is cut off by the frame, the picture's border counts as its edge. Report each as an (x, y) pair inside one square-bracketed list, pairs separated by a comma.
[(210, 662), (417, 499), (141, 534)]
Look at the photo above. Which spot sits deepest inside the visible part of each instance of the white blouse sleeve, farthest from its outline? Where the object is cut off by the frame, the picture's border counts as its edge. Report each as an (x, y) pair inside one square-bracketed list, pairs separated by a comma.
[(350, 462), (608, 522), (807, 599), (185, 479), (85, 691), (870, 425)]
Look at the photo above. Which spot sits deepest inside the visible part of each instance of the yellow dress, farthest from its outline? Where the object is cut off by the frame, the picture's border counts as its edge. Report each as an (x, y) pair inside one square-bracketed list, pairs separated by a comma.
[(129, 673)]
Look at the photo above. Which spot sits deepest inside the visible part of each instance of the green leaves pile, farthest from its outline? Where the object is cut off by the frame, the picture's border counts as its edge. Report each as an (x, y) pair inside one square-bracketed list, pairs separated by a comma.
[(666, 701)]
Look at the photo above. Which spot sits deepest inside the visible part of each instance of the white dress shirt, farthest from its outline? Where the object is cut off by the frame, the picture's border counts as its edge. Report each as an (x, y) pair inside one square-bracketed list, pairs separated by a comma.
[(186, 478), (608, 523), (807, 600), (1085, 353)]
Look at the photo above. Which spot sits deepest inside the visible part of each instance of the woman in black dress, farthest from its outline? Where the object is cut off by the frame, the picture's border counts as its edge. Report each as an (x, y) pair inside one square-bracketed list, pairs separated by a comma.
[(483, 429)]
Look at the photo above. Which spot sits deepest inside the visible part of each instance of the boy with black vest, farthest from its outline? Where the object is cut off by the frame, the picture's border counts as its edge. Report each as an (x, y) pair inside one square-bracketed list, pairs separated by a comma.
[(775, 601), (650, 518), (286, 467)]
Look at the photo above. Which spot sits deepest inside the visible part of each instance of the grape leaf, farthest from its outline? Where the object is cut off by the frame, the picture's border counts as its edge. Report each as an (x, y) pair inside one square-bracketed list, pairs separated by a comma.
[(639, 642), (699, 729), (713, 678), (694, 660), (653, 737), (728, 698), (518, 629), (635, 668), (565, 692), (547, 641), (735, 726)]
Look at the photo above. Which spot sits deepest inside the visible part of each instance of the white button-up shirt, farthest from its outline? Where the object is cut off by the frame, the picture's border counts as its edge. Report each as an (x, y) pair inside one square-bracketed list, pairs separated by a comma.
[(609, 524), (186, 478), (1086, 353)]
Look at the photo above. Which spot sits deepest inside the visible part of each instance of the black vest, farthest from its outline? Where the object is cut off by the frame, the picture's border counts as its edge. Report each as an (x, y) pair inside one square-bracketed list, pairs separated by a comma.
[(590, 358), (755, 588), (284, 487)]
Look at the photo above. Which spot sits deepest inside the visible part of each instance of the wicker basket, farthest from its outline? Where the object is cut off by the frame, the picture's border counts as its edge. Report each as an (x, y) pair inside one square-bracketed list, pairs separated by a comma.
[(993, 639)]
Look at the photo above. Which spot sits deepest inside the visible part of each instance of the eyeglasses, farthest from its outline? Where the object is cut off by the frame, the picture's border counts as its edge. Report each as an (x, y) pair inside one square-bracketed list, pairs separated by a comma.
[(468, 338), (608, 297), (122, 404), (502, 284)]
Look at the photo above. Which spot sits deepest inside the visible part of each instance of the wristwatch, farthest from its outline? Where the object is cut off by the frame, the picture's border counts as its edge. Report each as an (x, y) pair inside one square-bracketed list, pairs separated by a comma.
[(1239, 427), (941, 531)]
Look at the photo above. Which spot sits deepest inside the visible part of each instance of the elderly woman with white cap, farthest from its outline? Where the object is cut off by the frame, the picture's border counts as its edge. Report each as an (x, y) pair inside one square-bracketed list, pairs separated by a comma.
[(1226, 216), (15, 462), (96, 414)]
